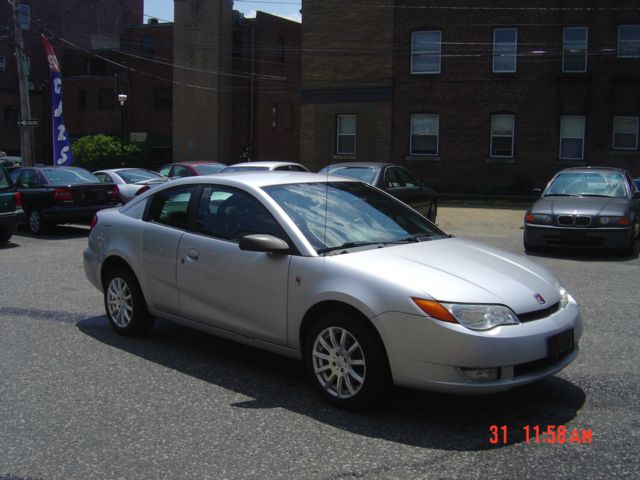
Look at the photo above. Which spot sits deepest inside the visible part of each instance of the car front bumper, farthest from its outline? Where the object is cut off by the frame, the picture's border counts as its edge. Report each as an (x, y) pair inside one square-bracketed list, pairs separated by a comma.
[(553, 236), (428, 354)]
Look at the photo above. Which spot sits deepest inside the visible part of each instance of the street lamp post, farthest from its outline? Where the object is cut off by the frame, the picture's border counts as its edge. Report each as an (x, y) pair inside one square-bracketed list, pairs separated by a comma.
[(122, 98)]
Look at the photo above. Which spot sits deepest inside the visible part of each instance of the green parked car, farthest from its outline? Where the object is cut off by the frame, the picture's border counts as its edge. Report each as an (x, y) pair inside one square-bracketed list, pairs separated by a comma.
[(11, 213)]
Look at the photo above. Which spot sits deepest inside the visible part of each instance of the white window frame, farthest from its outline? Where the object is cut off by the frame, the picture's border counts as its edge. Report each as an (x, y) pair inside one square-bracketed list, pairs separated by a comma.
[(515, 47), (411, 152), (415, 54), (513, 135), (613, 136), (584, 127), (620, 53), (586, 48), (338, 134)]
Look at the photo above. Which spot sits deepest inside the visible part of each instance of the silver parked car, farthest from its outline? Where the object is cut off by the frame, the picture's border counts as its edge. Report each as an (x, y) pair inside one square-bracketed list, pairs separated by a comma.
[(587, 207), (130, 181), (271, 166), (337, 273)]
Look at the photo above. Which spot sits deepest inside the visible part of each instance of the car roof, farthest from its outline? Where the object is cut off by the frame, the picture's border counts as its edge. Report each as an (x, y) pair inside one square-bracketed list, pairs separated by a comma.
[(270, 163), (261, 178), (592, 170)]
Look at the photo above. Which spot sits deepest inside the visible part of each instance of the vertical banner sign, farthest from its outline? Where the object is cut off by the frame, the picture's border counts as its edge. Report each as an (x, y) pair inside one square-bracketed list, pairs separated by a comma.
[(61, 148)]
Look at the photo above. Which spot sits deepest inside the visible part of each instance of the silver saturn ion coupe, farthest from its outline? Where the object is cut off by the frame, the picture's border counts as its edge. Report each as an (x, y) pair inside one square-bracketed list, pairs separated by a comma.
[(367, 292)]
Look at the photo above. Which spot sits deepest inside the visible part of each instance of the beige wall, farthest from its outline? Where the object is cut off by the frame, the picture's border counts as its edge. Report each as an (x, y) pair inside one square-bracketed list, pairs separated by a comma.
[(202, 104)]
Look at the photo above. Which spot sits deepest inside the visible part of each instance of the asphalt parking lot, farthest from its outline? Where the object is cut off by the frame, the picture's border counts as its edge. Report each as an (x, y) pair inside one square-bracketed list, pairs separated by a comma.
[(79, 402)]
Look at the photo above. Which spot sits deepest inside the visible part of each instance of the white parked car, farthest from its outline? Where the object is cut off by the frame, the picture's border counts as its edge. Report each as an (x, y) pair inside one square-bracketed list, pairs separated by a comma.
[(267, 166), (337, 273), (130, 181)]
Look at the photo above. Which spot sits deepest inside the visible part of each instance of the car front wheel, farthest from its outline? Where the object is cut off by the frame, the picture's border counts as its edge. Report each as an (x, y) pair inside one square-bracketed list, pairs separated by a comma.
[(346, 361), (125, 305)]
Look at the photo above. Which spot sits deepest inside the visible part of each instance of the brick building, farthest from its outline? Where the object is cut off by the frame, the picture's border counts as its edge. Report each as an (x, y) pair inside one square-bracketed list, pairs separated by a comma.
[(492, 98), (93, 25)]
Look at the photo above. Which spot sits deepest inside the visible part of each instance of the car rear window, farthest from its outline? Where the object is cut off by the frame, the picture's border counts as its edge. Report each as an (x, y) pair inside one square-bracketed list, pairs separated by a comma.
[(137, 175), (364, 174), (209, 169), (69, 176)]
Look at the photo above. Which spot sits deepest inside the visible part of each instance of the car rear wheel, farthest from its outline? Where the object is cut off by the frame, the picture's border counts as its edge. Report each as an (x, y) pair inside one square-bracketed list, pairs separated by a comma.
[(35, 222), (125, 305), (346, 361)]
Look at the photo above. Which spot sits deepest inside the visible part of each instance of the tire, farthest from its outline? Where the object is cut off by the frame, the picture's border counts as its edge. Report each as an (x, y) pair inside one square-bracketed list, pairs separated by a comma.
[(635, 235), (125, 305), (35, 222), (346, 361), (6, 233)]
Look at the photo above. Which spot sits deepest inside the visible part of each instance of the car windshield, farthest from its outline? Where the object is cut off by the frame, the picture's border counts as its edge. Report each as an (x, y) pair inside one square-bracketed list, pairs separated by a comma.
[(338, 215), (588, 184), (364, 174), (69, 176), (208, 169), (245, 169), (136, 175)]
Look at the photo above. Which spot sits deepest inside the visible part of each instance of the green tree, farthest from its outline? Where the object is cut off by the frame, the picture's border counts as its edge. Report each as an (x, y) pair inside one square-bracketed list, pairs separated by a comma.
[(95, 152)]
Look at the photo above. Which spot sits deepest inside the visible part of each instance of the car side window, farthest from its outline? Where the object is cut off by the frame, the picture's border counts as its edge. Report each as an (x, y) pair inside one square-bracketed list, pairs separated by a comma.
[(164, 171), (27, 179), (179, 171), (4, 179), (170, 207), (231, 214), (103, 177), (405, 178), (391, 179)]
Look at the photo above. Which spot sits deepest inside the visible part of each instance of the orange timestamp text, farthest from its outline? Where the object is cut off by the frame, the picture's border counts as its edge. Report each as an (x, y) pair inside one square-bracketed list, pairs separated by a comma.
[(537, 434)]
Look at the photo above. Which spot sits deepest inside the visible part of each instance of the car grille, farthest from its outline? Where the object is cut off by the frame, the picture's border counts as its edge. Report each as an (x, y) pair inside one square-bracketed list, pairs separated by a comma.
[(538, 314), (574, 220)]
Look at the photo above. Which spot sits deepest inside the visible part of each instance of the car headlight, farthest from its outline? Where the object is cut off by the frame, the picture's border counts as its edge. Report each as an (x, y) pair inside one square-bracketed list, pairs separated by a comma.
[(619, 221), (540, 218), (474, 317), (564, 296)]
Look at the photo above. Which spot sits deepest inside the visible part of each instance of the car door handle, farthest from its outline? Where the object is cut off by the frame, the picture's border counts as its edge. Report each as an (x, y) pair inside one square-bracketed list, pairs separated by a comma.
[(193, 254)]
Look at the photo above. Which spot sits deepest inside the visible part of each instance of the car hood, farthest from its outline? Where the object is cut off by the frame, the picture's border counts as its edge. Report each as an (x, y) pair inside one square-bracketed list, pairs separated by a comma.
[(581, 205), (459, 270)]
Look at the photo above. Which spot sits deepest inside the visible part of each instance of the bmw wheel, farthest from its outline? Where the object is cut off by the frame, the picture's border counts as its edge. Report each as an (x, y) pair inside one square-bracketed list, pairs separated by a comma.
[(346, 361), (36, 222), (125, 305)]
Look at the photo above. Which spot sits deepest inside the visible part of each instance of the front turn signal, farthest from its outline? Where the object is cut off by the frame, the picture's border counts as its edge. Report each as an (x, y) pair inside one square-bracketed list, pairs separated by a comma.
[(434, 309)]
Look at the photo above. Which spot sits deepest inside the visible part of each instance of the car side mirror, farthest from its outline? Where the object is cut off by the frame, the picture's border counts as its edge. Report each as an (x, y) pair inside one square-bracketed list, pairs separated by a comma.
[(261, 242)]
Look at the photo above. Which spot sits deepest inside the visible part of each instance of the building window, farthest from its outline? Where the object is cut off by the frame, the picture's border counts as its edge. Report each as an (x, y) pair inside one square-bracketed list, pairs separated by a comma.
[(426, 49), (82, 99), (95, 66), (572, 137), (505, 50), (502, 128), (346, 141), (106, 99), (425, 133), (3, 64), (287, 116), (147, 45), (625, 133), (162, 98), (25, 16), (629, 41), (574, 50), (280, 49)]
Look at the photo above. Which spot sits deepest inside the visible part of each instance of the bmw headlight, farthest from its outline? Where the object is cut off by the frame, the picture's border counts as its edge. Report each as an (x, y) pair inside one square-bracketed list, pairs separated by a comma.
[(617, 221), (540, 218), (474, 317)]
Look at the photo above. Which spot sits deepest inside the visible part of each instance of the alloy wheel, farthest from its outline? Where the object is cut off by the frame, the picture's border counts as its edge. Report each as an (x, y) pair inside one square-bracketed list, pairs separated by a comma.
[(339, 362), (120, 302)]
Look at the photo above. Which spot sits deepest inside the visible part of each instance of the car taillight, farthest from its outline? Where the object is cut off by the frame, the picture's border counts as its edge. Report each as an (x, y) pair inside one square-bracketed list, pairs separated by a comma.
[(18, 199), (94, 222), (115, 192), (142, 190), (62, 195)]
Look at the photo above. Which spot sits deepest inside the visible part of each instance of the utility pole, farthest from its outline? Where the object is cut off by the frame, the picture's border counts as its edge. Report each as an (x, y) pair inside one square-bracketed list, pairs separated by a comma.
[(26, 133)]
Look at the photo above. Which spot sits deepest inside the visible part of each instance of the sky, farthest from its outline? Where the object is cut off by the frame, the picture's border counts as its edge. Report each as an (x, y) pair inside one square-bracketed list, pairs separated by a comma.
[(163, 9)]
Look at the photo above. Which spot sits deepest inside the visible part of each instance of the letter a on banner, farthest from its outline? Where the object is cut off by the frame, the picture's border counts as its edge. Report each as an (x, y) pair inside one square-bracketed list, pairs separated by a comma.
[(61, 147)]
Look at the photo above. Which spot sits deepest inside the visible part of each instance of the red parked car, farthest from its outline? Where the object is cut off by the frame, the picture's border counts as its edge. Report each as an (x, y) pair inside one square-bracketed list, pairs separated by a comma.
[(190, 169)]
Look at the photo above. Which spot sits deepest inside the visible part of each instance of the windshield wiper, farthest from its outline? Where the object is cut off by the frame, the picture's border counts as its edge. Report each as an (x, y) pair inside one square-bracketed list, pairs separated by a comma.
[(560, 195), (419, 237), (347, 245)]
